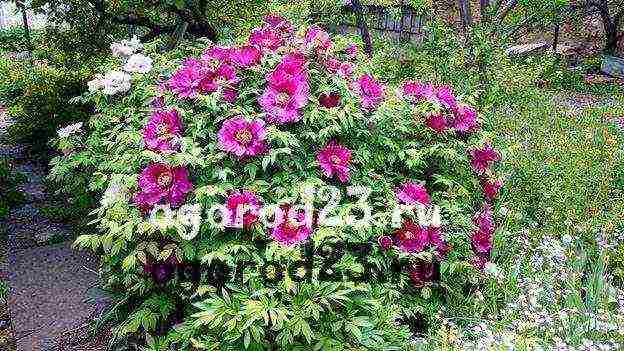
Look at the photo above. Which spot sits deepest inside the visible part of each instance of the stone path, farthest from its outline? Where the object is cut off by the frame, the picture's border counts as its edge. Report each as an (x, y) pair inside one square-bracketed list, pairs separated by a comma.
[(49, 282)]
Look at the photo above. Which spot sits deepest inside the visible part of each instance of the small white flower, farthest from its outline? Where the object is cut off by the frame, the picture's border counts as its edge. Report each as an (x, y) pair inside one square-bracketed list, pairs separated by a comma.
[(566, 239), (138, 63), (113, 193)]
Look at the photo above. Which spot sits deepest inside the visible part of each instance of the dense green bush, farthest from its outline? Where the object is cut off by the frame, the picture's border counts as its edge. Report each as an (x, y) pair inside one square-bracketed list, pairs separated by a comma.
[(368, 133), (38, 97), (14, 39)]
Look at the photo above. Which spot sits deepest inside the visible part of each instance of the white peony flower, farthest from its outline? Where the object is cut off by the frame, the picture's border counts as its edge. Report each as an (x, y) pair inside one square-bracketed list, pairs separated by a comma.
[(115, 82), (69, 130), (126, 48), (138, 63)]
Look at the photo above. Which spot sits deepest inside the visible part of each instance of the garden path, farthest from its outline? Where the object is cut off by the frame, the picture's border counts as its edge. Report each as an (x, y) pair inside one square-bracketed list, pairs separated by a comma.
[(49, 281)]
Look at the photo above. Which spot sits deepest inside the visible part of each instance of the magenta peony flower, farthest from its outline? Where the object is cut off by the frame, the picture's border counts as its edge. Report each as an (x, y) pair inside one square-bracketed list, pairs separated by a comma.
[(437, 122), (246, 56), (465, 119), (445, 97), (215, 56), (482, 159), (330, 100), (248, 203), (243, 138), (481, 242), (484, 219), (418, 91), (278, 23), (229, 95), (412, 237), (411, 193), (318, 39), (385, 242), (335, 159), (370, 91), (436, 239), (491, 188), (223, 76), (161, 130), (185, 81), (266, 39), (160, 182), (288, 233), (292, 67), (283, 101)]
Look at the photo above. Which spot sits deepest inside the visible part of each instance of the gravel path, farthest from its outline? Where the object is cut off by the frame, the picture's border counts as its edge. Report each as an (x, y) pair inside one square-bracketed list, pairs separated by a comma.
[(49, 283)]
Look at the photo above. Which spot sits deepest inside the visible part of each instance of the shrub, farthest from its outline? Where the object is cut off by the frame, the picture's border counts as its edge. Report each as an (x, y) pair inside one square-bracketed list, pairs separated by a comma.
[(38, 99), (279, 120)]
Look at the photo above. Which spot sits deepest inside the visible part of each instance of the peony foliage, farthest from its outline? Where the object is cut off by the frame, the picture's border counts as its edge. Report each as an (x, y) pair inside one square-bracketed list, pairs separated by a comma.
[(249, 194)]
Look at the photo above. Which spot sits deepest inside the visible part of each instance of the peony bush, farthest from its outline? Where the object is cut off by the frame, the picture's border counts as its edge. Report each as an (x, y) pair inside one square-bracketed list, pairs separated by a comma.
[(276, 193)]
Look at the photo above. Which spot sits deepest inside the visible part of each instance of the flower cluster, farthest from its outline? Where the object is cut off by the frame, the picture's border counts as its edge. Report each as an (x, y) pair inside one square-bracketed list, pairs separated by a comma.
[(116, 81)]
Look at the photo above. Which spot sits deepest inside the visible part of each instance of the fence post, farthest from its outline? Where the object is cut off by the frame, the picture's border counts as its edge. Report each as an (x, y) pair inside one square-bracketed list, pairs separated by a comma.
[(368, 46)]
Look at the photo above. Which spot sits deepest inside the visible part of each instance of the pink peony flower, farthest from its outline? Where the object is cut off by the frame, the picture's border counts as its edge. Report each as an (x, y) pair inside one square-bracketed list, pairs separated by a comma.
[(161, 130), (412, 237), (412, 193), (160, 182), (223, 76), (246, 56), (345, 70), (249, 205), (335, 159), (332, 65), (465, 119), (445, 97), (482, 159), (318, 39), (491, 188), (385, 242), (418, 91), (437, 122), (266, 38), (185, 81), (370, 91), (283, 101), (243, 138), (287, 232), (330, 100)]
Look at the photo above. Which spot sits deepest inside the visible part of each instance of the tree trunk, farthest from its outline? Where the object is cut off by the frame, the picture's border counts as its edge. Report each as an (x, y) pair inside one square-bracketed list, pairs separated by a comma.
[(22, 8), (368, 45), (466, 14)]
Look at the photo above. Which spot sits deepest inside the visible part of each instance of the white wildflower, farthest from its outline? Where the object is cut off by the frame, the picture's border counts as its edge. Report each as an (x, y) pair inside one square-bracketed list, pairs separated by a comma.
[(162, 217), (190, 216), (138, 63)]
